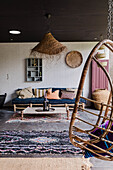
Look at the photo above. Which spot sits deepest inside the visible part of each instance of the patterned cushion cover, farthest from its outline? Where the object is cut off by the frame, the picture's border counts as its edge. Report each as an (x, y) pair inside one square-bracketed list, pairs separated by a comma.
[(67, 94), (72, 90)]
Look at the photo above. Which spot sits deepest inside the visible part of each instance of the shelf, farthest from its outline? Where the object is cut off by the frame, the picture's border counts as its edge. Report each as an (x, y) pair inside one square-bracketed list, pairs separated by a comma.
[(33, 73)]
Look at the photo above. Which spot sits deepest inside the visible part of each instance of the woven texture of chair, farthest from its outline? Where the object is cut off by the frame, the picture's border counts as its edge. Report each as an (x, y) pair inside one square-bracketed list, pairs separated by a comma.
[(99, 141)]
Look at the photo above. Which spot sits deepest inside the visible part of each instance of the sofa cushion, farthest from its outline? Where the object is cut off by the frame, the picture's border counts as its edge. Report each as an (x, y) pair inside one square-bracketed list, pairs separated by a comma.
[(65, 101), (53, 95), (67, 94), (28, 101), (72, 90), (82, 100), (41, 99), (61, 101), (40, 92), (67, 89), (54, 89), (25, 93)]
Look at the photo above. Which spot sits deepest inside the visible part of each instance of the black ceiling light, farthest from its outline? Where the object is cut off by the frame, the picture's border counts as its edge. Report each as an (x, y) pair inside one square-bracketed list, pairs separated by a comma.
[(15, 32)]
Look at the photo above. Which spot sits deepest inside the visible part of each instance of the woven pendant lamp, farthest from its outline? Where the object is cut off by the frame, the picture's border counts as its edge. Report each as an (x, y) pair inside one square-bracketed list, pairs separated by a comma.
[(48, 45)]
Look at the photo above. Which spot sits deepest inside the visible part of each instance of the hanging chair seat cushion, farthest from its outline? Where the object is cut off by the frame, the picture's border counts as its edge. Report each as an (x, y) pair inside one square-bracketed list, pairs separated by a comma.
[(101, 144), (100, 95)]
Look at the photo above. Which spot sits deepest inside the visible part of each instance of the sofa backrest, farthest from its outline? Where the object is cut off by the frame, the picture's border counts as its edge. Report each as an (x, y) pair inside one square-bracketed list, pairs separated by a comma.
[(39, 92)]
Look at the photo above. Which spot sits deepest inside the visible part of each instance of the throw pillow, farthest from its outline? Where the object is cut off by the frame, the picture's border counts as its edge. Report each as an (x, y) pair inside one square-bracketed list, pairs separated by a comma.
[(72, 90), (49, 91), (40, 92), (67, 95), (54, 95), (25, 93)]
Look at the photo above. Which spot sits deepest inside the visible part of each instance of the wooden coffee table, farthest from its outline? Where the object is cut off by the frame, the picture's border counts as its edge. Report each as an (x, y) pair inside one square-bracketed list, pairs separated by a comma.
[(39, 110)]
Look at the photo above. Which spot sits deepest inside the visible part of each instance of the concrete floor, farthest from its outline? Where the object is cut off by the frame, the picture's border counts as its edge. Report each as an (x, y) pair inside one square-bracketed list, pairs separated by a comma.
[(6, 113)]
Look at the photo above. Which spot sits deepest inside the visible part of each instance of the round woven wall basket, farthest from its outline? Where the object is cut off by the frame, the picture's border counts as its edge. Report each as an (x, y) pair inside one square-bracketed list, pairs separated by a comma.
[(74, 59)]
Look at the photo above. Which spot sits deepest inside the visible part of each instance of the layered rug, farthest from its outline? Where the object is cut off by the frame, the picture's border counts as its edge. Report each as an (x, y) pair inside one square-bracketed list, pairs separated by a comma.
[(39, 118), (37, 143)]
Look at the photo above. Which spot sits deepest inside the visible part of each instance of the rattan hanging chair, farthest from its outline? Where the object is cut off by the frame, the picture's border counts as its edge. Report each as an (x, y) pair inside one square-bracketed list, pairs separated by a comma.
[(95, 139)]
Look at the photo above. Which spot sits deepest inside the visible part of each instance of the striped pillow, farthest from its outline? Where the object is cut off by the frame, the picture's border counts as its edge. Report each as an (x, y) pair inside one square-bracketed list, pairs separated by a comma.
[(40, 92)]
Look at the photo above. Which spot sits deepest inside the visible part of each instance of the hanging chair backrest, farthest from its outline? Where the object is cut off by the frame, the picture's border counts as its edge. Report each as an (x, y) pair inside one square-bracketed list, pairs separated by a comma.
[(99, 142)]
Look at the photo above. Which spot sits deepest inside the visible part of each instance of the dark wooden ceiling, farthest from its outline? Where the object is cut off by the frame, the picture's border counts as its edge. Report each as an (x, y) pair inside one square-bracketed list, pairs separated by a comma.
[(71, 20)]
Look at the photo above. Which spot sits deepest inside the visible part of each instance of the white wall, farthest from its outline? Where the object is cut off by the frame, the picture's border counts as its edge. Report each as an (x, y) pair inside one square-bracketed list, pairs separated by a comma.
[(55, 71)]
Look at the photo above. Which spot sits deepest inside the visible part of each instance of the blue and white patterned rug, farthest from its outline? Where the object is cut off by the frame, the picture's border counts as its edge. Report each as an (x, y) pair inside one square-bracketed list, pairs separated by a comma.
[(36, 142)]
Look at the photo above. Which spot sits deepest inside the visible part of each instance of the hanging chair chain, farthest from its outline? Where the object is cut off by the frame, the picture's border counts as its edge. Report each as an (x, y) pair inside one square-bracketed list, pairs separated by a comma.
[(109, 26)]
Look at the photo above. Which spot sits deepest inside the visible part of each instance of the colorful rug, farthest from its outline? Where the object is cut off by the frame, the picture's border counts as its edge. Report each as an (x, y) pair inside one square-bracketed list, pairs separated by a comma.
[(39, 118), (36, 142)]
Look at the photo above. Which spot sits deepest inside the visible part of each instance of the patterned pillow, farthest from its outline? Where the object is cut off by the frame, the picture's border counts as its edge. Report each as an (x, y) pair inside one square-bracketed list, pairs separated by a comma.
[(72, 90), (25, 93), (67, 95), (40, 92)]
